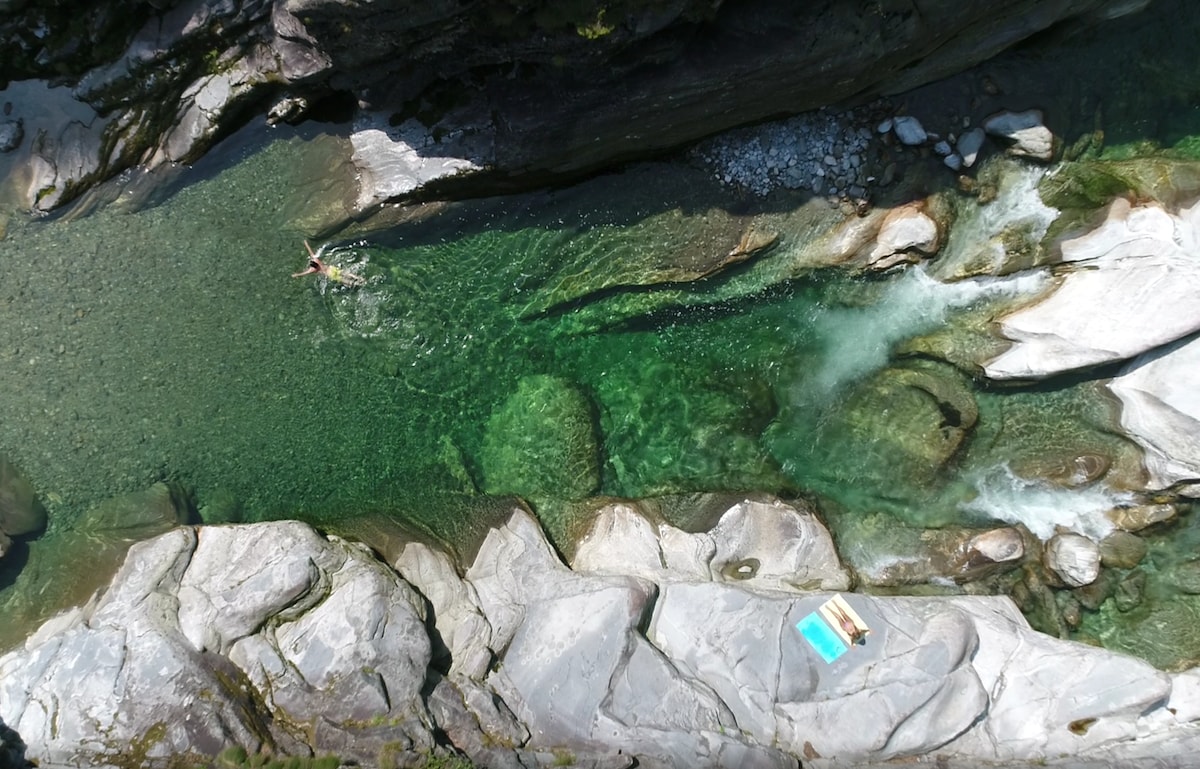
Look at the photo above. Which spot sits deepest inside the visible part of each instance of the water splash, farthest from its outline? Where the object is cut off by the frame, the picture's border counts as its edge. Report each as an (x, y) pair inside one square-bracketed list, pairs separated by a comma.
[(1044, 507), (986, 237), (859, 340)]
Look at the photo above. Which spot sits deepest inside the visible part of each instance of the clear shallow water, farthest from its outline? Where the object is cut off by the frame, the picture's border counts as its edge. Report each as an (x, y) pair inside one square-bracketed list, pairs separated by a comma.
[(171, 343)]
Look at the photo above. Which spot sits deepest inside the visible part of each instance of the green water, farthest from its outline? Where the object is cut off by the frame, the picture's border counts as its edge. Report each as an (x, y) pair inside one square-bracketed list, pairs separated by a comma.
[(170, 342), (561, 346)]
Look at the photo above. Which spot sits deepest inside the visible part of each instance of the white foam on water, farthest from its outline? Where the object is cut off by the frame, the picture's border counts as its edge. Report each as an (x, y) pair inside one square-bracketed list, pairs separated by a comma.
[(1043, 507), (1017, 206), (860, 339)]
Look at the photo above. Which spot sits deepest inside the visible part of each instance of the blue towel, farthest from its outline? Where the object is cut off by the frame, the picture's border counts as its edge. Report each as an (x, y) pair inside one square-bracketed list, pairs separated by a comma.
[(822, 637)]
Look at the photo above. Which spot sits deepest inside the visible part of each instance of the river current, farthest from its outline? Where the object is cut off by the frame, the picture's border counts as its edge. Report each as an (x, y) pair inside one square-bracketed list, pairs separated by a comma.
[(162, 337)]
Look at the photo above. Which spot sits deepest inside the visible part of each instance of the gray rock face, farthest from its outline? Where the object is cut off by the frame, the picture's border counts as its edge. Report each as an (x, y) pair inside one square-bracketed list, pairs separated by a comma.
[(767, 545), (201, 625), (272, 637), (196, 68)]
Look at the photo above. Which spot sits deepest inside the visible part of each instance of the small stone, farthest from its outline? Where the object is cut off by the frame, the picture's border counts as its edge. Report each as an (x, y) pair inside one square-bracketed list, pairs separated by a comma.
[(942, 148), (953, 161), (11, 134), (909, 130), (969, 145), (1074, 558), (885, 126)]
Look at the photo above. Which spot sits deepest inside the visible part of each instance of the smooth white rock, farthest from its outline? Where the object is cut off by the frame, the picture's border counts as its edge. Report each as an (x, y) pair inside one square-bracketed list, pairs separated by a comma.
[(1039, 685), (574, 667), (1136, 293), (199, 625), (768, 545), (460, 622), (905, 229), (1074, 558), (1160, 410)]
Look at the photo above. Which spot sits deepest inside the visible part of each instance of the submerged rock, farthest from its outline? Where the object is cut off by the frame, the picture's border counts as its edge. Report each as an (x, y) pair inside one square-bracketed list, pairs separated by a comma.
[(541, 442), (901, 427), (66, 569), (20, 511)]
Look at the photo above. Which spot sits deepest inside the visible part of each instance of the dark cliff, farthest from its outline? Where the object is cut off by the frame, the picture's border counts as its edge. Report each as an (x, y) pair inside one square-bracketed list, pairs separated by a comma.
[(535, 91)]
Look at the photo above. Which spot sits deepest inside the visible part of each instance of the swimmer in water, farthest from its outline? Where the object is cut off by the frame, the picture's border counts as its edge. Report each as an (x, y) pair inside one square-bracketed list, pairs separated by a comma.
[(331, 272)]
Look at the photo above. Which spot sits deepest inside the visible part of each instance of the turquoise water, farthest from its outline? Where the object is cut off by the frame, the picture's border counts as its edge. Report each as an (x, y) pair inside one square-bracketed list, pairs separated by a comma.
[(564, 345), (170, 342)]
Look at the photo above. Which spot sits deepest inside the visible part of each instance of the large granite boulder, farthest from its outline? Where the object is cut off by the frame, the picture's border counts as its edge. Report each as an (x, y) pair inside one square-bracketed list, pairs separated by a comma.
[(1160, 409), (266, 636), (1139, 261), (757, 544)]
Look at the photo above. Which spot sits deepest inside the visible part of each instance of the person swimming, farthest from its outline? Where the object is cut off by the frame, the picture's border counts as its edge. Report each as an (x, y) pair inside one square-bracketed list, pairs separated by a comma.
[(331, 272)]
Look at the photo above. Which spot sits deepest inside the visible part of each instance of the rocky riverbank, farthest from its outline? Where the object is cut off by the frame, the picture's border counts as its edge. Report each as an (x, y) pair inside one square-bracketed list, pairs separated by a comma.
[(661, 646), (506, 96)]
